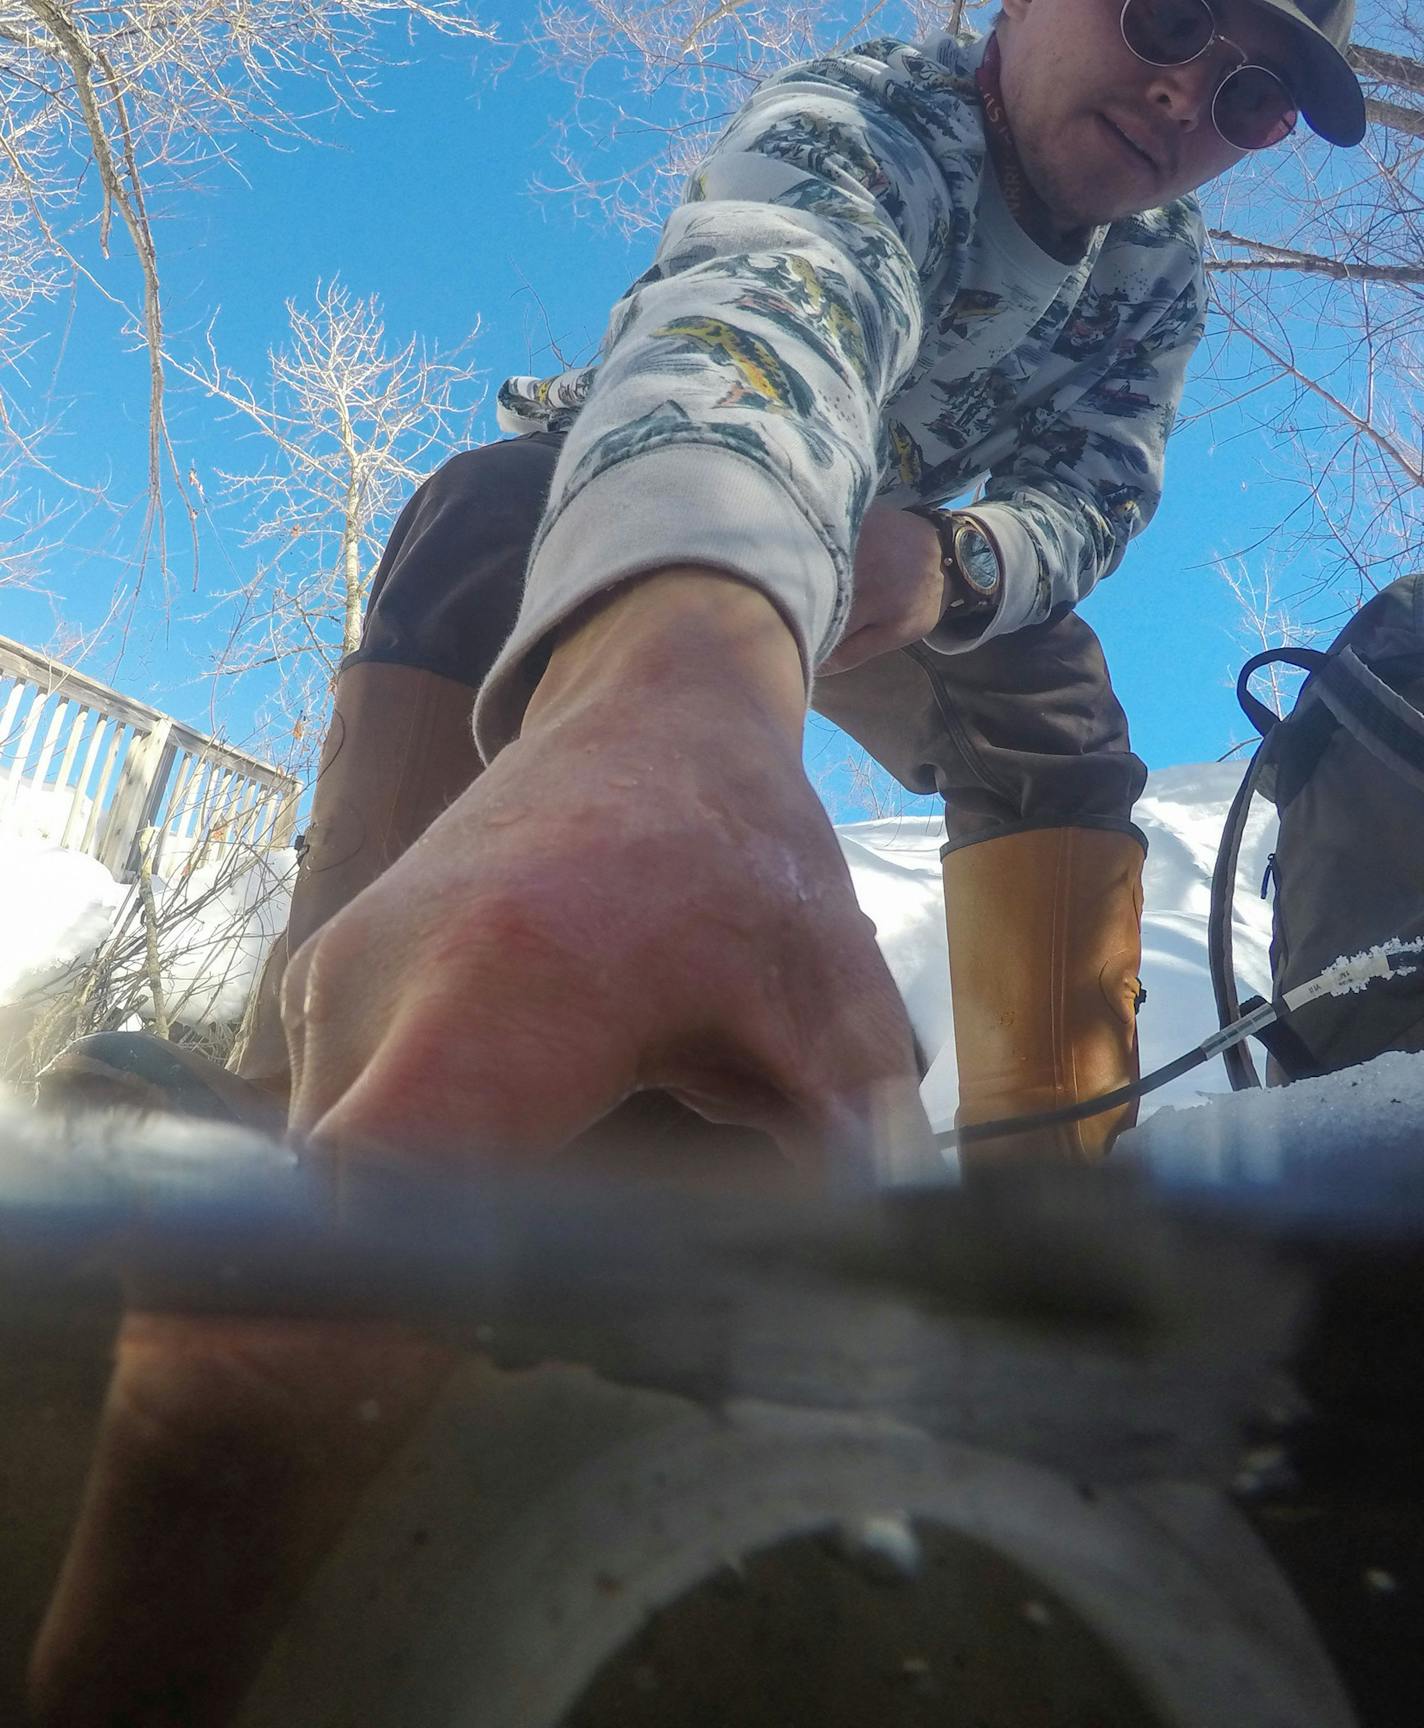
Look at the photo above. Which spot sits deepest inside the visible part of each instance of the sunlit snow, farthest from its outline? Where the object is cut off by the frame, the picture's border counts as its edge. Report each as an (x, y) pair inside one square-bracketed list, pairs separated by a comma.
[(56, 908)]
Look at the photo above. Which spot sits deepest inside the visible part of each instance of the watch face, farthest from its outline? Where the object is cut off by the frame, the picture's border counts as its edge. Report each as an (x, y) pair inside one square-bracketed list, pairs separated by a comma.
[(975, 555)]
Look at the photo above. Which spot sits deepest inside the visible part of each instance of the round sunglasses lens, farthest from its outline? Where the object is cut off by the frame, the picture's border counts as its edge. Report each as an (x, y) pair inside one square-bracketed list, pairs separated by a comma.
[(1253, 109), (1166, 32)]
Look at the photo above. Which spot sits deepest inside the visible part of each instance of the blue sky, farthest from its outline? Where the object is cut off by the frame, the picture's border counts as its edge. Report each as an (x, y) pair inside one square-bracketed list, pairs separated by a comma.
[(427, 202)]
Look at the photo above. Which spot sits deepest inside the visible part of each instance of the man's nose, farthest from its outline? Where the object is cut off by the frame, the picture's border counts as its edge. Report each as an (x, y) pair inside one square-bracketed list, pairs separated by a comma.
[(1184, 93)]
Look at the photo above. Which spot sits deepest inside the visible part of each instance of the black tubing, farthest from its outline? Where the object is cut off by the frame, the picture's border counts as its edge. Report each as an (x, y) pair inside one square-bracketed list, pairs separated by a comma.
[(1075, 1112)]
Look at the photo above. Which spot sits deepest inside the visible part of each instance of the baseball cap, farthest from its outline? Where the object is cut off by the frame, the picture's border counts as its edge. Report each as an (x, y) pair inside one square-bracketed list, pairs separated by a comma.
[(1330, 96)]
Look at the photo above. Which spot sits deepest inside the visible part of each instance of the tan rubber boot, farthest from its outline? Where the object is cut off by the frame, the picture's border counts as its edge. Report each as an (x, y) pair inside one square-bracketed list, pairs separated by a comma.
[(400, 749), (1045, 943)]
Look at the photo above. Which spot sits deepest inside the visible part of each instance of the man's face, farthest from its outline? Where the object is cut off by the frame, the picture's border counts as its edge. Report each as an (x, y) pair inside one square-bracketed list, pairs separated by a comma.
[(1100, 133)]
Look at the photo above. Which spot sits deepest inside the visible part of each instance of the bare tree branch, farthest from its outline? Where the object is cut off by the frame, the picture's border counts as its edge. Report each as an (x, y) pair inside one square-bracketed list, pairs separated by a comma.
[(1394, 69), (1270, 256), (122, 188), (1411, 470), (1395, 116)]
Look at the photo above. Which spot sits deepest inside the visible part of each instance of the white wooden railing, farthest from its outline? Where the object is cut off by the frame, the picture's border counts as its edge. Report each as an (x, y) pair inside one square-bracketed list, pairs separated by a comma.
[(122, 768)]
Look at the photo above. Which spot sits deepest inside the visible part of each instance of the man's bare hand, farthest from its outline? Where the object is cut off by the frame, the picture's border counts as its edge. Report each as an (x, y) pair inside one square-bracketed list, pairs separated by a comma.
[(642, 892), (899, 587)]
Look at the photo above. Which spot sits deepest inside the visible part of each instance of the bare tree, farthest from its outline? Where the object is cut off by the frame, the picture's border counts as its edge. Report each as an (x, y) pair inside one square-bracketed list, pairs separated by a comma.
[(1318, 279), (347, 425), (26, 529), (105, 108), (1265, 620), (28, 278), (658, 78)]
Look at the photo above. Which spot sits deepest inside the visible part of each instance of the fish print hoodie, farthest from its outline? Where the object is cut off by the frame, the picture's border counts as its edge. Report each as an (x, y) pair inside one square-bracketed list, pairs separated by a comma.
[(842, 307)]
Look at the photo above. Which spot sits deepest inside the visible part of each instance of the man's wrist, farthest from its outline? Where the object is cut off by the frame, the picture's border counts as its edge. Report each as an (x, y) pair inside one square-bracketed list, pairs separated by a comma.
[(670, 634)]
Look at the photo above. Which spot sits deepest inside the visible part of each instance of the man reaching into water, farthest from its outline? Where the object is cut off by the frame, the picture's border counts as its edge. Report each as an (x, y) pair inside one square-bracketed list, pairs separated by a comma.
[(898, 270)]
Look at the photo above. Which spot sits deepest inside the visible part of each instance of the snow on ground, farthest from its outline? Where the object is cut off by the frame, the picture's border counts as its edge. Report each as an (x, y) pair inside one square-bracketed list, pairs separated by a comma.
[(1342, 1149), (228, 918), (57, 906), (38, 815)]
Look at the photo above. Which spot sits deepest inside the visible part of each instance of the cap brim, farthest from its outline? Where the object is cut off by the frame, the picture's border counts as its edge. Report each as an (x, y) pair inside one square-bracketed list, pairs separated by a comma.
[(1330, 97), (1334, 105)]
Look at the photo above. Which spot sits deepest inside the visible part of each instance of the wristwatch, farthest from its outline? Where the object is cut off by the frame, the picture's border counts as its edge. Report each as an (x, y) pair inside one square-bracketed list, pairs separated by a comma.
[(969, 558)]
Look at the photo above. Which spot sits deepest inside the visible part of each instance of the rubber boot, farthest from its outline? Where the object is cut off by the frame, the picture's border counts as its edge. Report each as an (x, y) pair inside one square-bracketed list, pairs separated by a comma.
[(400, 749), (399, 752), (1045, 943)]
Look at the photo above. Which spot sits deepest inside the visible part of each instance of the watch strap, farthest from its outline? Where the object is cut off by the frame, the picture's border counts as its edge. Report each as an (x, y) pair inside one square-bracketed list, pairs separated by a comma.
[(962, 597)]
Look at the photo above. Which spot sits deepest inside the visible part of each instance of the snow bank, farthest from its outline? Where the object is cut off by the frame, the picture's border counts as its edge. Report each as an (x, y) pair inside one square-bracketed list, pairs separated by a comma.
[(1331, 1150), (39, 815), (224, 919), (57, 907)]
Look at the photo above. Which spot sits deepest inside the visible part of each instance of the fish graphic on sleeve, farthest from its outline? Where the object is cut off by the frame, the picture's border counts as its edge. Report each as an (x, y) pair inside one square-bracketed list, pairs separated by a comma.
[(909, 458), (829, 149), (1062, 443), (666, 426), (969, 308), (808, 279), (938, 248), (801, 327), (1110, 397), (1122, 505), (822, 199), (1125, 458), (1175, 224), (1135, 360), (759, 376), (1184, 317), (973, 406), (812, 311)]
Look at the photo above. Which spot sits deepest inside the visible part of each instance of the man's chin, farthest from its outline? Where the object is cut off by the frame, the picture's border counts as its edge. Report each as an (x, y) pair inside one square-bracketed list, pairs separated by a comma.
[(1098, 211), (1083, 203)]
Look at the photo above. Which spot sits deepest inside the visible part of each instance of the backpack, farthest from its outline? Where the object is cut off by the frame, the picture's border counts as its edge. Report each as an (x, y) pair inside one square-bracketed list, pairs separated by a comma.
[(1345, 770)]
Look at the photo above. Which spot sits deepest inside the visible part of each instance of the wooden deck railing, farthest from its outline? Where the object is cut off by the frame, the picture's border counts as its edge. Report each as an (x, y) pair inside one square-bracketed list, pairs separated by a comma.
[(124, 767)]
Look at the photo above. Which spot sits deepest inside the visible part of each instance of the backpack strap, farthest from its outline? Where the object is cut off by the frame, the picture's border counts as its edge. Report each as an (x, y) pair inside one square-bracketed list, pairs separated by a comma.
[(1292, 1055), (1240, 1069), (1265, 719)]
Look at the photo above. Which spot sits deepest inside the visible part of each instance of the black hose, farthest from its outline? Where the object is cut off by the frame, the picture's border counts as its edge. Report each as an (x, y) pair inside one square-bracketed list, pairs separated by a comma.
[(1396, 955), (1079, 1112)]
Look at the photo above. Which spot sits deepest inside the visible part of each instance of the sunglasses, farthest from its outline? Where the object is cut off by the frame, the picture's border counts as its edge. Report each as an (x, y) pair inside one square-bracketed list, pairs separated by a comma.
[(1252, 109)]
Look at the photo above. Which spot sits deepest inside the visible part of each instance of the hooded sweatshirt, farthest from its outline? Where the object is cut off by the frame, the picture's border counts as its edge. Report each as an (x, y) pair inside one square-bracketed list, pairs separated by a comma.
[(844, 306)]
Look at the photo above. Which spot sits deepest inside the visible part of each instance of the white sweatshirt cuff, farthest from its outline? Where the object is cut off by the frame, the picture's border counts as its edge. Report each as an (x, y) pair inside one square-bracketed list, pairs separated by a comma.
[(1021, 601), (682, 505)]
